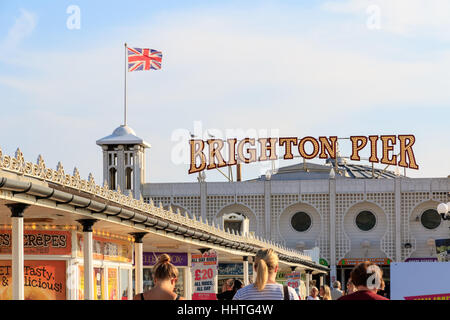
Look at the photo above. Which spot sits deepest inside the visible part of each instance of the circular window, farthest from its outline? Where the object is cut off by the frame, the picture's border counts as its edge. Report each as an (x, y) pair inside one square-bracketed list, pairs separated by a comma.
[(366, 220), (301, 221), (430, 219)]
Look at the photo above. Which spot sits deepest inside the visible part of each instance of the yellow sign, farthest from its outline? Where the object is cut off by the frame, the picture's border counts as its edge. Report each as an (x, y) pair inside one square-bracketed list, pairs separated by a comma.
[(107, 249), (112, 284), (81, 282), (323, 147)]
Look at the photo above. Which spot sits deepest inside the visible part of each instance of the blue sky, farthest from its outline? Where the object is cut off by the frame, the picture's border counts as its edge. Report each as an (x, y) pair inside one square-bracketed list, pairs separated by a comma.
[(294, 68)]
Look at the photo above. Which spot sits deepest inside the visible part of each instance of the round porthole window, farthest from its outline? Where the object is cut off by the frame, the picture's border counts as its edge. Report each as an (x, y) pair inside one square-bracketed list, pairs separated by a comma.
[(430, 219), (301, 221), (366, 220)]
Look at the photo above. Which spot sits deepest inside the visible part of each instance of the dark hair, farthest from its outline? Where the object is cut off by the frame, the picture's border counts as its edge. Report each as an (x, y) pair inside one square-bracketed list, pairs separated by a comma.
[(163, 269), (361, 273), (237, 284)]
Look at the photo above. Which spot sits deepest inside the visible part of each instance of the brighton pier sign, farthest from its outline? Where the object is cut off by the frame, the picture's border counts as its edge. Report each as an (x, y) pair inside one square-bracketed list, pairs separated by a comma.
[(246, 150)]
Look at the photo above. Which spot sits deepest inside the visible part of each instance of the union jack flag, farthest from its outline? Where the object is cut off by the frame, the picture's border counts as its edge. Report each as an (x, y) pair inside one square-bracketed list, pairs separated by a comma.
[(143, 59)]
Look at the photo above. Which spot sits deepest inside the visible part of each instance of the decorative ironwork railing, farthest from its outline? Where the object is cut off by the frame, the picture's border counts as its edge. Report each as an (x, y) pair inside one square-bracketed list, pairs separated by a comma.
[(39, 170)]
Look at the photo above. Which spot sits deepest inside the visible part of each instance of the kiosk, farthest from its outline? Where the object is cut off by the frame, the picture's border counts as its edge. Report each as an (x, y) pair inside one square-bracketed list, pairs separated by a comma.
[(53, 264)]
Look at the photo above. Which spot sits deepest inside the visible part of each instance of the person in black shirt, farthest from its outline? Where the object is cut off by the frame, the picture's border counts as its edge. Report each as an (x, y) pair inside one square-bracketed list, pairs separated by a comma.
[(231, 287), (228, 292)]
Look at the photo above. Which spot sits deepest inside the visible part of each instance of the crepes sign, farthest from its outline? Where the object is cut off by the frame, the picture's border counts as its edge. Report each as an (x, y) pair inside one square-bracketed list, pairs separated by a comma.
[(39, 242)]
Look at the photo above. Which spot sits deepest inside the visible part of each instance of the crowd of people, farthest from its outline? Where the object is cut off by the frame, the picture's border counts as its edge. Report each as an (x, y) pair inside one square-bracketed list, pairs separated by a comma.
[(366, 280)]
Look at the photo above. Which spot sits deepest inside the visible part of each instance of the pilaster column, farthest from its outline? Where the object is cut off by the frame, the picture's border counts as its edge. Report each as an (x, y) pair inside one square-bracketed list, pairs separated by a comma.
[(253, 270), (17, 210), (137, 171), (332, 192), (105, 165), (267, 211), (189, 277), (398, 235), (203, 197), (88, 248), (138, 260), (245, 270), (307, 282)]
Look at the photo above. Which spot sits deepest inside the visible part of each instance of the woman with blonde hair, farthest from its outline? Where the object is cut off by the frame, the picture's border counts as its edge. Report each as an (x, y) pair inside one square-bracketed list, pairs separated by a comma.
[(165, 276), (265, 286), (325, 293)]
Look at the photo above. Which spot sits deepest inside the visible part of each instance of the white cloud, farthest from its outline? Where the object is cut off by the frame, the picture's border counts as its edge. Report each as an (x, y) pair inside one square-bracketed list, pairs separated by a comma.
[(22, 28), (410, 18)]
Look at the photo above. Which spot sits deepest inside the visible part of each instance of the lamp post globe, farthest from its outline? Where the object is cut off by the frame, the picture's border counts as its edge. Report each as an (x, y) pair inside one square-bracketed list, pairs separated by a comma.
[(442, 208)]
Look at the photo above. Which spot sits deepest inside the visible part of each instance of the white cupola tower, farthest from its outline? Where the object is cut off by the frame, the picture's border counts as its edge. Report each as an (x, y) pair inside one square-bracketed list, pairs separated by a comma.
[(124, 161)]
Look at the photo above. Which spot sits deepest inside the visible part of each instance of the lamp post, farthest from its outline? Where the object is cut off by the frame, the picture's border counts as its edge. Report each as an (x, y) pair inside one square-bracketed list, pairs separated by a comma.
[(444, 210)]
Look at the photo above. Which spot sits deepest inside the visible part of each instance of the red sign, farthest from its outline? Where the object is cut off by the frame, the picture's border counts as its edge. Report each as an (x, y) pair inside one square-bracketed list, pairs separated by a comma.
[(39, 242), (204, 269)]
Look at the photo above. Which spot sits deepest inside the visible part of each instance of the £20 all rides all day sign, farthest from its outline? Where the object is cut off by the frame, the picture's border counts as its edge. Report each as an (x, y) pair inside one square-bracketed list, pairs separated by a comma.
[(204, 272)]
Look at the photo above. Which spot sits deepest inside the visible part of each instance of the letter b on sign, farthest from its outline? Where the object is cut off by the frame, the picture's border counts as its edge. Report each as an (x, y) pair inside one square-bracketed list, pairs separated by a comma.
[(74, 20)]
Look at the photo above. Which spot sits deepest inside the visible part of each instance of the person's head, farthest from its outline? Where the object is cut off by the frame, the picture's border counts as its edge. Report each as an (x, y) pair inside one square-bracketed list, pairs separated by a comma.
[(266, 265), (367, 276), (237, 284), (224, 287), (350, 287), (229, 284), (164, 271), (314, 292), (337, 285), (325, 292)]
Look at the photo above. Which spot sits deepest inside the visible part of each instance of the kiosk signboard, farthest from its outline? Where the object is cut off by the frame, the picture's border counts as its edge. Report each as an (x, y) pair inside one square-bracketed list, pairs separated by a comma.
[(107, 249), (43, 280), (204, 271), (112, 284), (178, 259), (233, 269), (443, 249), (356, 261), (39, 242), (293, 281)]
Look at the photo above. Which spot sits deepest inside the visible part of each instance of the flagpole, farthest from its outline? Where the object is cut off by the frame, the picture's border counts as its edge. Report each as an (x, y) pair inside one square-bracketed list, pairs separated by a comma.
[(125, 92)]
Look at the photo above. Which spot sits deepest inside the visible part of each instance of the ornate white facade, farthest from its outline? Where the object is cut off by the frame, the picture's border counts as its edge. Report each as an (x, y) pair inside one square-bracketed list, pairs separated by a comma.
[(332, 205)]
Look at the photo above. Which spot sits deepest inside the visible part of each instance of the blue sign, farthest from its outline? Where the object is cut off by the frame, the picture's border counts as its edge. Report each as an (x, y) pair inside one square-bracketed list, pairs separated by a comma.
[(233, 269)]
